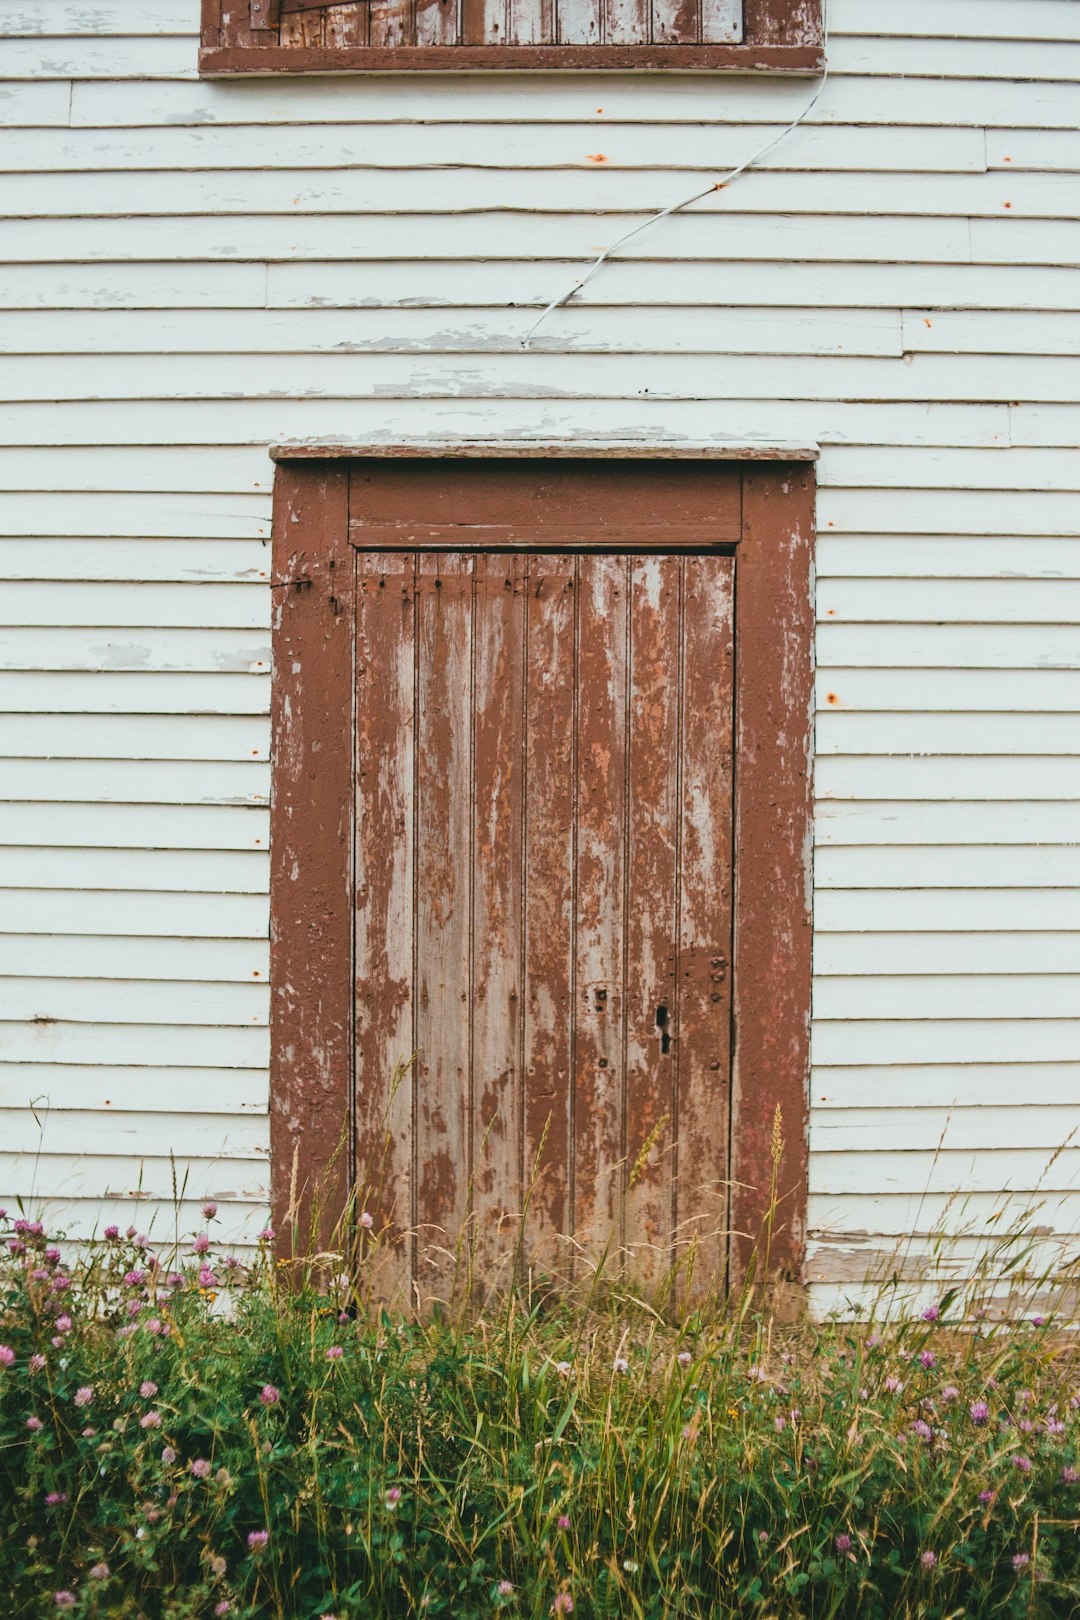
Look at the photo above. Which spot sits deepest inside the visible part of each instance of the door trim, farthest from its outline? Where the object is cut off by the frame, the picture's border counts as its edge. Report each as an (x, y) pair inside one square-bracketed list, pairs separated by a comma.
[(311, 887)]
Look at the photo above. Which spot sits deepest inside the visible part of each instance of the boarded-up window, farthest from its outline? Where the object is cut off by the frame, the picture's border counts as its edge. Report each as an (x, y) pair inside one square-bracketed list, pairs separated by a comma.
[(268, 36)]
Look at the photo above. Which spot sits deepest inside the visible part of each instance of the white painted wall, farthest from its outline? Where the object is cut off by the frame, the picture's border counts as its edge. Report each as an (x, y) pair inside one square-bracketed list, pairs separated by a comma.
[(196, 270)]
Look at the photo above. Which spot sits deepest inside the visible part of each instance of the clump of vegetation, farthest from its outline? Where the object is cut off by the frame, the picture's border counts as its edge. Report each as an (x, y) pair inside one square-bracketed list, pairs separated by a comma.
[(305, 1453)]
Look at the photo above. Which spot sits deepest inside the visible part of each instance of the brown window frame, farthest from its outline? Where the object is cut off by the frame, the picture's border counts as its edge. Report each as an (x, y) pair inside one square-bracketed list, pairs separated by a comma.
[(779, 36), (312, 889)]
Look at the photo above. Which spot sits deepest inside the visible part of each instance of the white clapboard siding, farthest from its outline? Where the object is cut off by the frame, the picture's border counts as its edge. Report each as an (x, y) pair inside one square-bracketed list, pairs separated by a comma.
[(196, 871), (386, 421), (94, 692), (673, 331), (594, 188), (921, 996), (883, 822), (63, 736), (843, 732), (451, 284), (115, 1001), (177, 915), (77, 956), (136, 781), (312, 149), (857, 99), (230, 651), (168, 828), (944, 1086), (987, 866), (53, 1041), (195, 270), (522, 375), (947, 910), (1035, 692)]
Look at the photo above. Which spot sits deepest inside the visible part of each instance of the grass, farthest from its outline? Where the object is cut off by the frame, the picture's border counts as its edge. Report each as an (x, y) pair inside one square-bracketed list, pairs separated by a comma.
[(304, 1453)]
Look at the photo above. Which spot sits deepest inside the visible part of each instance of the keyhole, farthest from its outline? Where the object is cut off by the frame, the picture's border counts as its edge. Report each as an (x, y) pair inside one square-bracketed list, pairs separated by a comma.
[(662, 1026)]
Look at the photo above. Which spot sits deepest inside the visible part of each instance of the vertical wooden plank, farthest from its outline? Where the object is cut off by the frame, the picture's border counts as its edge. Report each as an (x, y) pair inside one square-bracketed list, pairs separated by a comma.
[(651, 966), (581, 22), (438, 22), (444, 866), (624, 21), (599, 909), (703, 1035), (483, 22), (348, 25), (676, 22), (530, 22), (774, 686), (721, 21), (385, 678), (311, 1002), (498, 661), (549, 898), (393, 22), (303, 28)]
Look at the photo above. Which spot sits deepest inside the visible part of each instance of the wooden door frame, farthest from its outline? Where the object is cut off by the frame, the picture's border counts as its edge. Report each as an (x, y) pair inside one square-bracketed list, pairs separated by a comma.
[(311, 825)]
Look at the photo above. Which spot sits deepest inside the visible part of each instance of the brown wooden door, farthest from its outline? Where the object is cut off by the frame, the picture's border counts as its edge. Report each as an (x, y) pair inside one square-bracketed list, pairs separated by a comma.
[(543, 901)]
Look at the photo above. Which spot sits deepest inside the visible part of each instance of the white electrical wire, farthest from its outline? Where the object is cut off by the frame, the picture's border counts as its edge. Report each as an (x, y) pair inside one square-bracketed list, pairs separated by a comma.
[(675, 208)]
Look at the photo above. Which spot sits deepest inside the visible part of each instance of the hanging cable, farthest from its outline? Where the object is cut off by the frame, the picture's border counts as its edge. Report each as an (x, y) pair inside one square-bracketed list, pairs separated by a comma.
[(677, 207)]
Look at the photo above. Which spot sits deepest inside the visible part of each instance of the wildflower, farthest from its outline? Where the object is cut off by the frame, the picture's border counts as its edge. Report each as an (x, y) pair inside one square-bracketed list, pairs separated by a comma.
[(207, 1279), (209, 1210), (34, 1424), (147, 1389), (134, 1277), (130, 1233), (979, 1412), (928, 1359), (7, 1356), (779, 1424), (153, 1325), (923, 1430), (505, 1588), (931, 1313), (393, 1497), (168, 1456), (631, 1566), (564, 1368), (950, 1393), (64, 1324), (1022, 1463), (222, 1608), (684, 1358), (36, 1363), (757, 1375), (112, 1233), (929, 1559), (56, 1499), (1020, 1562), (88, 1434), (269, 1395), (201, 1244), (64, 1599), (84, 1395), (100, 1572), (1036, 1321), (257, 1539), (16, 1246), (620, 1365), (175, 1279), (200, 1468), (150, 1420), (873, 1341), (367, 1221), (218, 1566), (223, 1476), (334, 1353), (563, 1604), (893, 1386), (842, 1543), (563, 1522), (52, 1255), (763, 1537), (986, 1497), (267, 1235), (1069, 1476)]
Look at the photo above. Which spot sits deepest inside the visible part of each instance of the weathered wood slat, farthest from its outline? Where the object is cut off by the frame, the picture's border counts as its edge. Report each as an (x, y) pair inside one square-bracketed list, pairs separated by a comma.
[(386, 1015), (702, 1115), (653, 1011), (550, 872)]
